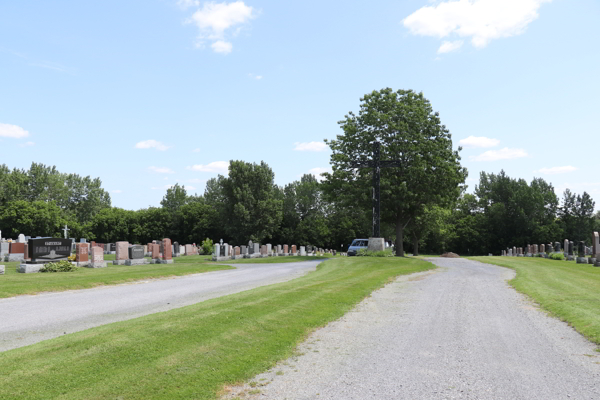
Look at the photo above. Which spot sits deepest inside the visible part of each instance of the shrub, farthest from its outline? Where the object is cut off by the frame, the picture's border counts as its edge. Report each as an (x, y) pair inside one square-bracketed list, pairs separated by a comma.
[(384, 253), (59, 266), (557, 256), (207, 246)]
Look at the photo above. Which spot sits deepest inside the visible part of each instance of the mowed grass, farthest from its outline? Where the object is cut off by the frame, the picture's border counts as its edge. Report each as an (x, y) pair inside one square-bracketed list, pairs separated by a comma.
[(569, 291), (195, 351), (276, 260), (14, 283)]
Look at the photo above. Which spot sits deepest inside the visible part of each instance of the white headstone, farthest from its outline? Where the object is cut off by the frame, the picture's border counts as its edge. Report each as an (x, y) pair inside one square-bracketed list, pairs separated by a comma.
[(21, 238)]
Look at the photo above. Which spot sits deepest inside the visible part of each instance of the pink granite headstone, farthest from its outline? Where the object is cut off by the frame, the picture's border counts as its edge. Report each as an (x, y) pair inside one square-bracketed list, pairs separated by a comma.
[(294, 250), (155, 250), (285, 249), (237, 250), (263, 250), (82, 252), (122, 251), (167, 253), (97, 254)]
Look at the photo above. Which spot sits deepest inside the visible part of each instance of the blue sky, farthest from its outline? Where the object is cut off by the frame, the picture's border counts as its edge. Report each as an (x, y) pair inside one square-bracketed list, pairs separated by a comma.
[(144, 94)]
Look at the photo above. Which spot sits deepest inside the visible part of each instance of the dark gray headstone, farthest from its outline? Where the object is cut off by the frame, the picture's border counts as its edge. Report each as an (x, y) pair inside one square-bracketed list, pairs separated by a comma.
[(250, 247), (136, 252), (113, 246), (48, 250), (571, 248), (581, 249), (557, 247), (176, 247)]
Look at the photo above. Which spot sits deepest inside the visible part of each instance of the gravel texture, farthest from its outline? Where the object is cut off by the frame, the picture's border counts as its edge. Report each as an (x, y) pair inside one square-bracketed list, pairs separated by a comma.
[(460, 332), (30, 319)]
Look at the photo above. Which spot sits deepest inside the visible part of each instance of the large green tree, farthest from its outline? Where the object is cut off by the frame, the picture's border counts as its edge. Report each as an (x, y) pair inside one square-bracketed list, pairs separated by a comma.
[(409, 131), (252, 209)]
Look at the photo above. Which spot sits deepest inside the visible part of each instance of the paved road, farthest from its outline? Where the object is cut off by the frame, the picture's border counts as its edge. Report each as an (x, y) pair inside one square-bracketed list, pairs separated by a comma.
[(457, 333), (30, 319)]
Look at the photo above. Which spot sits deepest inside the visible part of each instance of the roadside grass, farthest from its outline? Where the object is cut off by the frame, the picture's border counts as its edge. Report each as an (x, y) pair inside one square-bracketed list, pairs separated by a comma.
[(568, 291), (276, 260), (14, 283), (194, 352)]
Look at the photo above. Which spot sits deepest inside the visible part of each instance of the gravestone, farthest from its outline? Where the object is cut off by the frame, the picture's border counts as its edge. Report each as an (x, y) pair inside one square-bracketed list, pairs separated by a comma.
[(294, 251), (3, 249), (121, 253), (595, 245), (16, 252), (279, 250), (97, 260), (136, 255), (155, 252), (269, 249), (2, 269), (244, 250), (566, 247), (189, 250), (21, 238), (581, 253), (48, 250), (263, 251), (82, 240), (250, 247), (176, 249), (167, 255), (256, 249), (82, 254), (302, 250), (285, 250)]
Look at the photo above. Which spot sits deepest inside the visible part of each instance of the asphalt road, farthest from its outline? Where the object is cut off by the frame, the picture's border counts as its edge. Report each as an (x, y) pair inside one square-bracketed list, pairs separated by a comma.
[(30, 319), (456, 333)]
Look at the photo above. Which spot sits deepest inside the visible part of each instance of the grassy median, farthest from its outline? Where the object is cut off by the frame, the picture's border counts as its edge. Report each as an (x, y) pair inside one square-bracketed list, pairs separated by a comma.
[(192, 352), (569, 291), (14, 283)]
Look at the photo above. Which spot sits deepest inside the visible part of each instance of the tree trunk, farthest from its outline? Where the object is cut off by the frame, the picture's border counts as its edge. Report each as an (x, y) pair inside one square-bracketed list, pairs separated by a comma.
[(399, 238), (415, 246)]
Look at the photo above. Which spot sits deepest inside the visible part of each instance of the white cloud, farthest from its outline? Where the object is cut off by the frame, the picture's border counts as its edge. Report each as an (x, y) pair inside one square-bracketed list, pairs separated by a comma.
[(481, 20), (257, 77), (318, 171), (151, 144), (161, 170), (216, 166), (12, 131), (27, 144), (310, 146), (448, 47), (197, 150), (117, 191), (185, 4), (215, 19), (162, 187), (221, 46), (503, 154), (196, 180), (190, 188), (557, 170), (479, 141)]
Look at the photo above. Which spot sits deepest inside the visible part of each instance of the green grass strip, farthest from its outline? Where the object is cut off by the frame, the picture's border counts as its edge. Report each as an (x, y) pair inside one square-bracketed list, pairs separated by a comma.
[(276, 260), (14, 283), (192, 352), (568, 291)]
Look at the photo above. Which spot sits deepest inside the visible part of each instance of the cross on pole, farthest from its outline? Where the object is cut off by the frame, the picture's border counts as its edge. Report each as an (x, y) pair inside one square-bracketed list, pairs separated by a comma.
[(376, 164), (66, 229)]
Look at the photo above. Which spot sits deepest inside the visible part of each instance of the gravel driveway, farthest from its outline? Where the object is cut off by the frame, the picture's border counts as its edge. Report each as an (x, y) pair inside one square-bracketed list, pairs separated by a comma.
[(30, 319), (459, 332)]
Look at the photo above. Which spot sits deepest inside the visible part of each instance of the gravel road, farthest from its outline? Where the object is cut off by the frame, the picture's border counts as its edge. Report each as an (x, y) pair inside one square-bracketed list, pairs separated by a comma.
[(459, 332), (30, 319)]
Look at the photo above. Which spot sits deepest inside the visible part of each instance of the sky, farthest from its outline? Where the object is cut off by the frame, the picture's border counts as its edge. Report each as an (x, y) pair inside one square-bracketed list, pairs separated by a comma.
[(146, 94)]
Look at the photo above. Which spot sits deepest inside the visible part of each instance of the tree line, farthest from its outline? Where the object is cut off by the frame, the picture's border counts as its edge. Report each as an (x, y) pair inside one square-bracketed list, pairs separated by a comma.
[(424, 203)]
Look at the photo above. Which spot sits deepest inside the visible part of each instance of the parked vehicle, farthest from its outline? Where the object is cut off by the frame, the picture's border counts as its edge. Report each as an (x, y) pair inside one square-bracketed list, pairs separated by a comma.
[(357, 244)]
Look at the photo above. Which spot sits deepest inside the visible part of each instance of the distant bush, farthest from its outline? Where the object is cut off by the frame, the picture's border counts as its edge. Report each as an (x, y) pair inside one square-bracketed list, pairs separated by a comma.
[(207, 246), (59, 266), (384, 253), (557, 256)]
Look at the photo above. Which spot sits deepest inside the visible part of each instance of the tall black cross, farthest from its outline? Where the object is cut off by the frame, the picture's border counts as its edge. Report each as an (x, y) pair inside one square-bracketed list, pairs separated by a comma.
[(376, 164)]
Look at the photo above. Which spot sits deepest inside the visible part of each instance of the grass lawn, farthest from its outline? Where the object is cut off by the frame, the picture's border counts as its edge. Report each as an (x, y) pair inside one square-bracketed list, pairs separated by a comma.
[(274, 260), (569, 291), (194, 351), (14, 283)]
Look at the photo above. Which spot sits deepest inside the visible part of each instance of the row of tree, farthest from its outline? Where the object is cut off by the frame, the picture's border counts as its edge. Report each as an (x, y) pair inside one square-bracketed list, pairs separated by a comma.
[(423, 196)]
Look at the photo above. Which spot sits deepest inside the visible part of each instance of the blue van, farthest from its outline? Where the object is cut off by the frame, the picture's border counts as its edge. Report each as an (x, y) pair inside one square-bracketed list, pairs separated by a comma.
[(357, 244)]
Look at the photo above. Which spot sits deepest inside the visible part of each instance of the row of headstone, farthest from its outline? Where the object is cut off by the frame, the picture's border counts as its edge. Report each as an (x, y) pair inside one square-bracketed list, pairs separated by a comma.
[(224, 251), (569, 248)]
